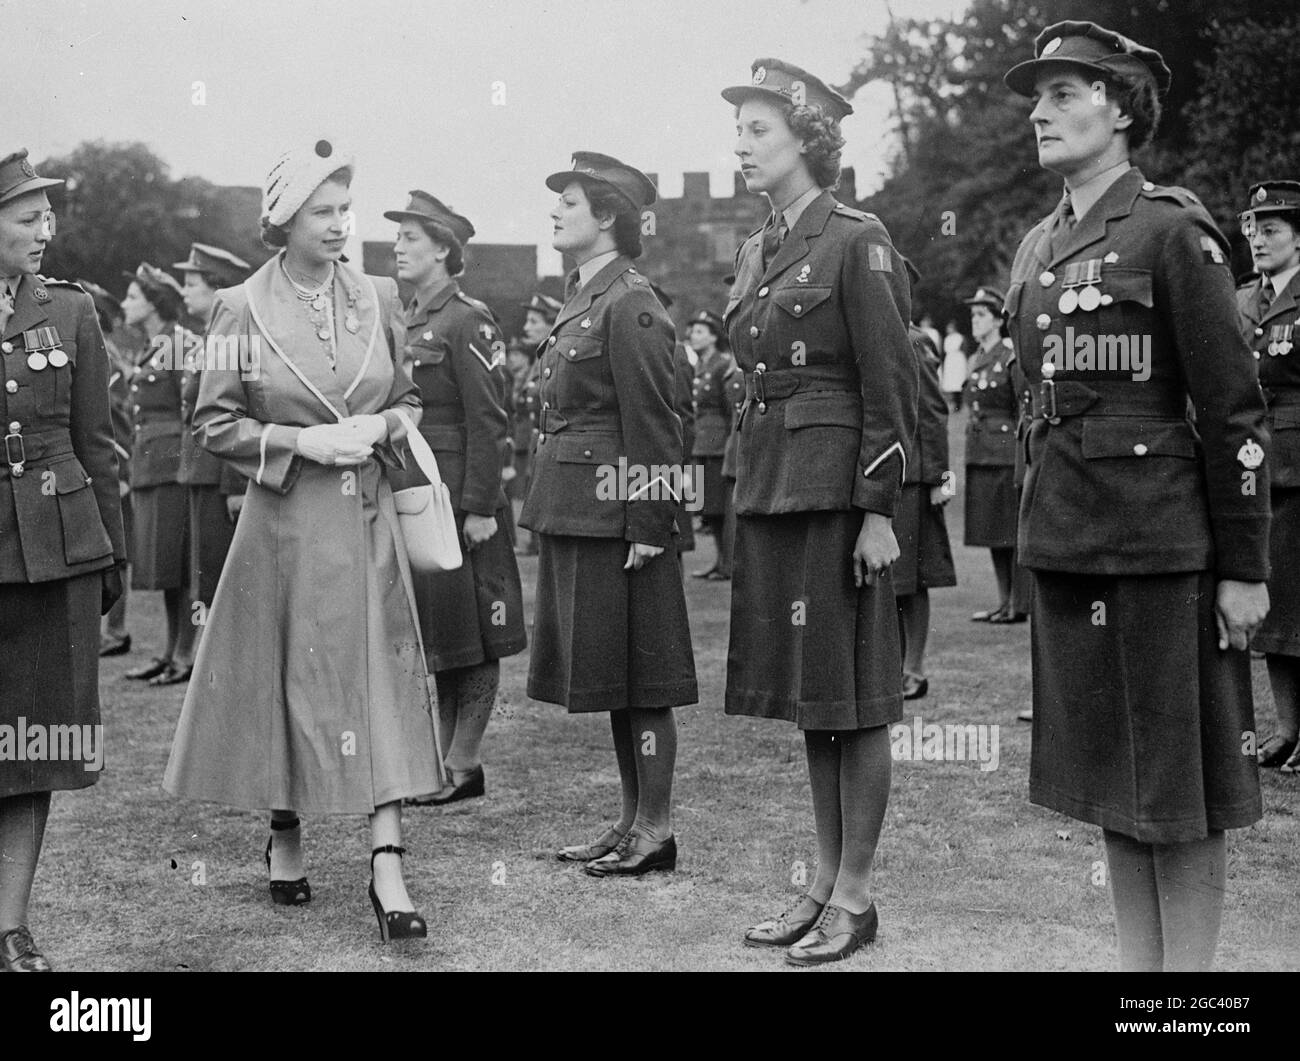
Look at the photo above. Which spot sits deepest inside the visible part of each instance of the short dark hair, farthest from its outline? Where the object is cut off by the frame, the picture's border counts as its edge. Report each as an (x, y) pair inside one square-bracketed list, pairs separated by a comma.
[(820, 134), (444, 237), (277, 236), (166, 302), (607, 201), (1137, 97)]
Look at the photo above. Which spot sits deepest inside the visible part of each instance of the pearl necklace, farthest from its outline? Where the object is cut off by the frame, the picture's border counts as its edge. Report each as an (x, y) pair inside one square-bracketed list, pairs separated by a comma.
[(319, 304)]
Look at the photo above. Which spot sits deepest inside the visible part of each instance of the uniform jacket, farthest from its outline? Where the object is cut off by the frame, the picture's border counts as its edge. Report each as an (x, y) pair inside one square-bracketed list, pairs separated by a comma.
[(156, 412), (455, 347), (1123, 484), (607, 394), (525, 403), (929, 463), (197, 466), (119, 400), (60, 514), (990, 395), (684, 381), (832, 422), (713, 410), (1274, 336), (733, 385)]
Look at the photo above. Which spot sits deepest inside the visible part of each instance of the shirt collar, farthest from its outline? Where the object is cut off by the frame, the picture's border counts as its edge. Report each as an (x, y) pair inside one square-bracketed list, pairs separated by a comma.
[(421, 300), (1086, 194), (1280, 280), (592, 266), (792, 213)]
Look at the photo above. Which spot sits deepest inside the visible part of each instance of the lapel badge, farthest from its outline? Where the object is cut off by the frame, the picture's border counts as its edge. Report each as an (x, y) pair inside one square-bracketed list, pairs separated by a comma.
[(1111, 258), (1251, 455), (40, 294), (427, 336), (804, 273), (586, 323)]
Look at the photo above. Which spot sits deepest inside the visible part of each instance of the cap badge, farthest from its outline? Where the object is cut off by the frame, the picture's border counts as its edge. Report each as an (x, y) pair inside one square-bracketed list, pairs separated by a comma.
[(1251, 455), (803, 274), (1052, 45), (26, 167), (1261, 195), (586, 323), (760, 75)]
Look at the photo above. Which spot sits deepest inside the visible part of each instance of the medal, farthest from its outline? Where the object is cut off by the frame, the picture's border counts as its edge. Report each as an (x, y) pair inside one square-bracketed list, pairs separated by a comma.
[(983, 384), (1090, 296), (58, 358), (351, 323), (1089, 299), (1069, 301), (37, 361)]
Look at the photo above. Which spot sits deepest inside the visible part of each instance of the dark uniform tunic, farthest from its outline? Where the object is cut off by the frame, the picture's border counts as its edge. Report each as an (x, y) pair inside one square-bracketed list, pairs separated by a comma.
[(1130, 517), (829, 418), (990, 396), (1274, 336), (684, 405), (713, 416), (475, 613), (60, 527), (523, 426), (925, 554), (160, 556), (209, 481), (604, 638)]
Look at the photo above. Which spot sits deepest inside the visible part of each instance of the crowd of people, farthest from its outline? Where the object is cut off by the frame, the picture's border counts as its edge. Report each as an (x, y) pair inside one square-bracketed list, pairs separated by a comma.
[(1127, 513)]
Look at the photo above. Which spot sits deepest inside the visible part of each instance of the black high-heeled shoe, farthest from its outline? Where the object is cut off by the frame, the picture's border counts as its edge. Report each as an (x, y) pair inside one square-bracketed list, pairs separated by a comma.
[(397, 924), (286, 892)]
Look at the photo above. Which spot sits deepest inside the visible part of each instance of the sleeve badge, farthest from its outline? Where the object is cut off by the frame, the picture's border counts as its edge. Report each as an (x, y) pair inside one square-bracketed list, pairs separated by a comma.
[(1211, 254), (1251, 455), (879, 258)]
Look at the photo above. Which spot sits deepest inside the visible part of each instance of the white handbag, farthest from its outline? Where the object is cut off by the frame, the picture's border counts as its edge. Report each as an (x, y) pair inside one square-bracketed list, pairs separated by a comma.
[(425, 514)]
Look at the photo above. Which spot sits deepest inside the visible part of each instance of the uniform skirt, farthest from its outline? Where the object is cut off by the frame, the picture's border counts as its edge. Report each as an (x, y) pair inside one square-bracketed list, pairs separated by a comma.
[(925, 554), (991, 506), (1280, 632), (714, 497), (475, 613), (49, 676), (605, 639), (807, 646), (160, 555), (211, 530), (1138, 717)]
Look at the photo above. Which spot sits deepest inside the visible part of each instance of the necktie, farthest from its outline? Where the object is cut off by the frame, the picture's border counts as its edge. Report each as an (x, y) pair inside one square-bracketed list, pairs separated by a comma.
[(1062, 226), (6, 306), (773, 237), (1265, 296)]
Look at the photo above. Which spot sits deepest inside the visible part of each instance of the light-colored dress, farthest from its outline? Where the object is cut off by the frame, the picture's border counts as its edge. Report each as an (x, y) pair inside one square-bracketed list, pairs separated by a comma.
[(310, 690)]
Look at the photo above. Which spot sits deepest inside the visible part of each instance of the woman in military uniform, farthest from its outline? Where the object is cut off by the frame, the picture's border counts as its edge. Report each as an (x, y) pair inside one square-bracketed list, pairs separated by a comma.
[(160, 556), (924, 553), (817, 319), (713, 415), (311, 691), (472, 617), (1269, 310), (1147, 539), (991, 449), (61, 543), (214, 490), (611, 632), (539, 315)]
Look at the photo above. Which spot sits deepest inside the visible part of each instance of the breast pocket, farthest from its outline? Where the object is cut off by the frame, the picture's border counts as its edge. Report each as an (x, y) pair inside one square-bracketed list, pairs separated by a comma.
[(1284, 456), (800, 301), (422, 354), (84, 536), (1127, 299)]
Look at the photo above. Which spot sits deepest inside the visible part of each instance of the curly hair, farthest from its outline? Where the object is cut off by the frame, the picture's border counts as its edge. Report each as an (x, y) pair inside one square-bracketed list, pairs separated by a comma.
[(277, 236), (607, 201), (820, 134), (166, 302), (1137, 97)]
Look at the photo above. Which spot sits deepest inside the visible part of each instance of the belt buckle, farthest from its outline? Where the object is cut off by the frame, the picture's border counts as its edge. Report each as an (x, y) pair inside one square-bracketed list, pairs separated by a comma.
[(15, 463), (1047, 398), (760, 388)]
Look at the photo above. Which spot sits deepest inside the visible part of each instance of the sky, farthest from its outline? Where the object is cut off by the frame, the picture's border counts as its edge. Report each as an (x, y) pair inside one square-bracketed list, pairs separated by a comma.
[(475, 101)]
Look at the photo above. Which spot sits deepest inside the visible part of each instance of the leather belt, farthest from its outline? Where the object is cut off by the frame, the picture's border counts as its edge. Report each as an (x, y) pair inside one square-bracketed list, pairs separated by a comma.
[(20, 448), (763, 386), (1054, 401)]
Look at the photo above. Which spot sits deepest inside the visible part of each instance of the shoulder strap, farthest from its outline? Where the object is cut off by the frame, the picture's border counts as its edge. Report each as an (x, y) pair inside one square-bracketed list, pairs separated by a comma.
[(420, 450)]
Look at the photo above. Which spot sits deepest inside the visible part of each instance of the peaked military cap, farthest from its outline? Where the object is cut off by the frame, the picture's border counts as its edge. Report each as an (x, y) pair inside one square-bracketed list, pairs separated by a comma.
[(590, 165), (1272, 197), (424, 207), (775, 79), (17, 177), (1091, 46), (545, 305), (987, 296), (220, 264), (709, 319)]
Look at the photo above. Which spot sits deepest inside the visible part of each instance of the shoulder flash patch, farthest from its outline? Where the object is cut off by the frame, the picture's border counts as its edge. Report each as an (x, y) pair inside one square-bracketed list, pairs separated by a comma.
[(1211, 252), (880, 257)]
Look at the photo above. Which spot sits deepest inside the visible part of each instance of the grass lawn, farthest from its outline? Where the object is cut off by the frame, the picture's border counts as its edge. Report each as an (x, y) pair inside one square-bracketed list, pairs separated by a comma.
[(969, 875)]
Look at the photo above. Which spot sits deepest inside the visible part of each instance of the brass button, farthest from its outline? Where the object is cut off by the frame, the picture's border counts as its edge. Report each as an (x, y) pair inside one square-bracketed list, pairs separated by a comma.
[(1043, 321), (417, 362), (152, 378), (1049, 369), (1147, 186), (12, 385), (1259, 331), (1256, 355), (8, 348), (15, 426), (1047, 278), (798, 308), (545, 406), (586, 453), (1005, 428), (753, 331), (760, 367), (762, 292), (572, 351), (547, 373), (1140, 449), (551, 340), (541, 440), (1106, 300)]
